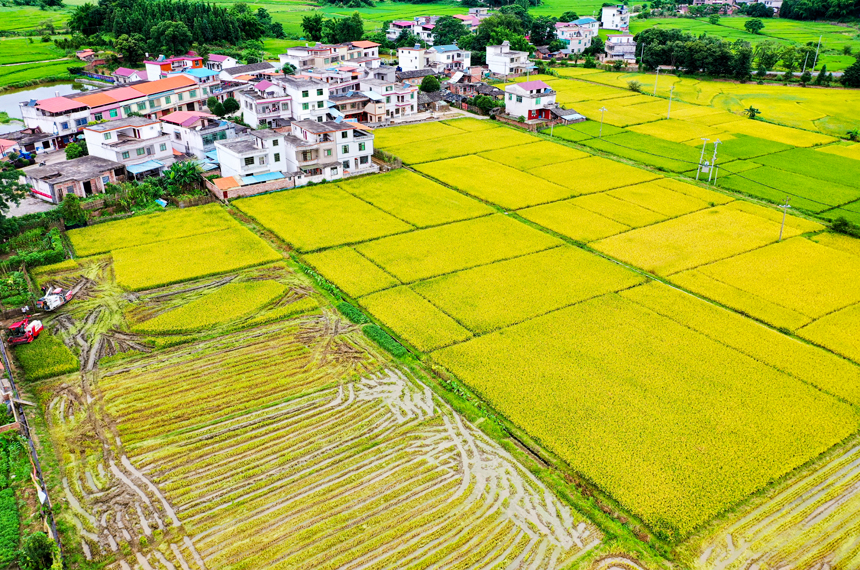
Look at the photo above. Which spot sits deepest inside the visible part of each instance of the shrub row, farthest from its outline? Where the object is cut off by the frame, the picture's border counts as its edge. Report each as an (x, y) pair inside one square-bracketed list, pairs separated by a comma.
[(352, 313), (384, 340)]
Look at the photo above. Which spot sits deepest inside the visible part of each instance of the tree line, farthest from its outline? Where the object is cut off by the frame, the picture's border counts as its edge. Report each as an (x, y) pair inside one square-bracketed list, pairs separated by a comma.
[(820, 9)]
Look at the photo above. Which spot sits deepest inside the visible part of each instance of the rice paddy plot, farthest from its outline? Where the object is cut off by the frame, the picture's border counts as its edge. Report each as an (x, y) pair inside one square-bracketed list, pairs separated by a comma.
[(495, 183), (572, 221), (851, 151), (470, 124), (492, 296), (774, 184), (590, 175), (192, 257), (657, 197), (390, 136), (352, 272), (533, 155), (651, 411), (777, 133), (850, 212), (698, 238), (799, 274), (617, 209), (414, 199), (20, 50), (821, 166), (617, 115), (676, 130), (805, 362), (578, 92), (659, 153), (321, 216), (585, 130), (151, 228), (453, 247), (414, 319), (745, 147), (459, 145), (838, 331)]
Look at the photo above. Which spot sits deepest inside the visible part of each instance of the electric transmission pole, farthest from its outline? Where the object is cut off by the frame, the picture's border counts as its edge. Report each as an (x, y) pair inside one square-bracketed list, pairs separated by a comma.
[(785, 208)]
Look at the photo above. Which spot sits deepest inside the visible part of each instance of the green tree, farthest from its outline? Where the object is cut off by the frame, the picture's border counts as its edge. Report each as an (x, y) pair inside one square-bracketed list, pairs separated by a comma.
[(72, 212), (752, 112), (821, 78), (851, 76), (211, 102), (231, 105), (766, 54), (542, 31), (597, 46), (218, 110), (37, 552), (76, 150), (568, 17), (448, 30), (170, 38), (714, 19), (520, 12), (742, 63), (11, 189), (185, 176), (312, 26), (789, 58), (485, 103), (430, 84), (805, 78), (132, 47), (754, 25), (342, 30)]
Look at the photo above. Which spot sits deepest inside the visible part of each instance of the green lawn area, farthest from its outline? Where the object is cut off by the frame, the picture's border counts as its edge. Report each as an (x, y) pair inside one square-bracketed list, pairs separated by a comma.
[(20, 50)]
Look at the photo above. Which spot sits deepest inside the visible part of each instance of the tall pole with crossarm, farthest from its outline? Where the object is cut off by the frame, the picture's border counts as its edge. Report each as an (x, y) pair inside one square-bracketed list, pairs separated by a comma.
[(785, 208), (600, 133)]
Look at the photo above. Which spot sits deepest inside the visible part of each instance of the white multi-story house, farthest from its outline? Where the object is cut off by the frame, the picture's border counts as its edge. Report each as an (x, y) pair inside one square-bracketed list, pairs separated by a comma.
[(61, 117), (449, 58), (620, 46), (502, 60), (401, 99), (399, 26), (575, 37), (590, 25), (124, 75), (306, 57), (413, 58), (309, 98), (258, 153), (352, 148), (195, 133), (136, 142), (218, 62), (615, 18), (265, 103), (530, 99)]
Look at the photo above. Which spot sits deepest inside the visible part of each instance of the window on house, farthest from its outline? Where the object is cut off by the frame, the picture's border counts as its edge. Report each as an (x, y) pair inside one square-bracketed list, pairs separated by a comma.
[(113, 114), (388, 99), (153, 103), (412, 96), (345, 149), (222, 135), (107, 136), (64, 126), (249, 161), (304, 93), (319, 92), (97, 117), (537, 101), (277, 157), (519, 99), (141, 151), (125, 155), (319, 104), (344, 134), (274, 142), (80, 122), (208, 139), (162, 147), (305, 106), (285, 107), (363, 160), (361, 146), (105, 179), (328, 152), (141, 106), (261, 160), (193, 92)]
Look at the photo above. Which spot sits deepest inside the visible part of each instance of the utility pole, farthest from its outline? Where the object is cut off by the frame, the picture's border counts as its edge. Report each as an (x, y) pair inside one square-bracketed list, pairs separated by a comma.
[(655, 80), (671, 92), (785, 208), (701, 158), (815, 61), (714, 159), (600, 133), (804, 63)]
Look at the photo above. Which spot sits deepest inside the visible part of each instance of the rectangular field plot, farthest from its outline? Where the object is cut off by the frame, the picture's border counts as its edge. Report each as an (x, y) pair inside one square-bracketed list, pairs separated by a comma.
[(617, 115), (675, 130), (573, 221), (162, 263), (416, 320), (621, 211), (818, 165), (659, 197), (495, 183), (435, 251), (528, 156), (353, 273), (470, 124), (500, 294), (151, 228), (698, 238), (322, 216), (838, 331), (595, 174), (459, 145), (798, 274), (745, 147), (777, 133), (805, 362), (581, 131), (390, 136), (674, 157), (651, 411), (415, 199)]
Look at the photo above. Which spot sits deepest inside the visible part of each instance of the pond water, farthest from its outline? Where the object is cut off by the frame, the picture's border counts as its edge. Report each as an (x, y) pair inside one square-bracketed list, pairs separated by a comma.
[(9, 99)]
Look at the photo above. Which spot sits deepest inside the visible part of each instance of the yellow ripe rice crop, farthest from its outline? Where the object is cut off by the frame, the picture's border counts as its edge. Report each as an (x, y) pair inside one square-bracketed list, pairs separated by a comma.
[(615, 114), (595, 174), (798, 274), (151, 228), (848, 151), (777, 133), (657, 197), (416, 320), (694, 191), (45, 357), (415, 199), (162, 263), (731, 296), (803, 361), (839, 241), (838, 331), (353, 273), (459, 145), (580, 91), (572, 221), (528, 156), (692, 240), (576, 71), (435, 251), (716, 118), (320, 216), (676, 130), (495, 183), (228, 303), (391, 136), (654, 413), (621, 211), (800, 224), (297, 307), (470, 124), (492, 296)]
